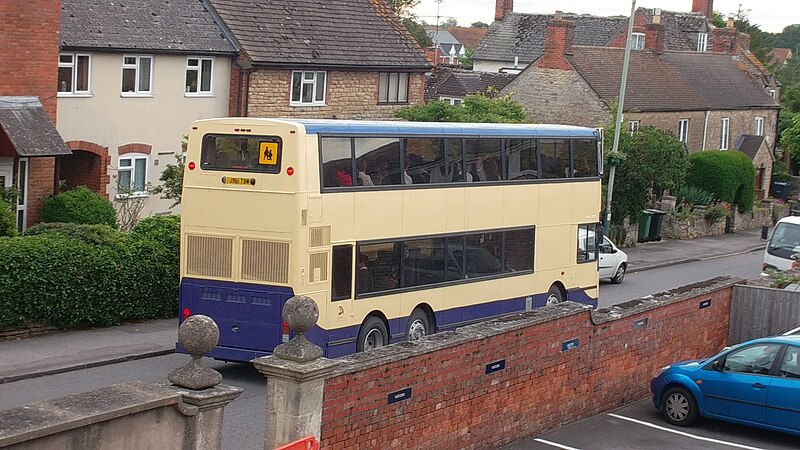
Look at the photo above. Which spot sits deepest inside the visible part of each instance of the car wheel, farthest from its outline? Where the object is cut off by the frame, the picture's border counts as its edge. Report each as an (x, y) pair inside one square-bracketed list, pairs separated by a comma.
[(554, 295), (418, 326), (620, 274), (679, 407), (373, 334)]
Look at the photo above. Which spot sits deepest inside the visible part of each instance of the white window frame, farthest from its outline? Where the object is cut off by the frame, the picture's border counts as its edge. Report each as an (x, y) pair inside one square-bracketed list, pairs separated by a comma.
[(637, 41), (73, 64), (137, 92), (634, 125), (683, 130), (198, 69), (313, 82), (725, 132), (401, 81), (455, 101), (23, 186), (133, 157), (771, 93), (759, 125), (702, 42)]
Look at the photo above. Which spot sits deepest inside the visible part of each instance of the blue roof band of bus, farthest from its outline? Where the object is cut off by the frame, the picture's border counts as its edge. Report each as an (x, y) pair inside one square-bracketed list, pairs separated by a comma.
[(369, 128)]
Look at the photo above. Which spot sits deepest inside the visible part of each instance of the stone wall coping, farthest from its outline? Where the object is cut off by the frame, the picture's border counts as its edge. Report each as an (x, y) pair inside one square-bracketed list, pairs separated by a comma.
[(512, 322), (45, 418), (205, 399), (273, 366)]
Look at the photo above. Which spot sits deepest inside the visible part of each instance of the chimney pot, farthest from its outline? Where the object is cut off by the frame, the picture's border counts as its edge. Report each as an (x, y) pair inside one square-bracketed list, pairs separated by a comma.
[(657, 15), (558, 16), (730, 21)]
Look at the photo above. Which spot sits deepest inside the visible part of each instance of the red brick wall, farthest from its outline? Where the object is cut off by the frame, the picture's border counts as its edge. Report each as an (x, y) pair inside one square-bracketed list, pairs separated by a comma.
[(87, 166), (455, 404), (29, 39), (557, 42)]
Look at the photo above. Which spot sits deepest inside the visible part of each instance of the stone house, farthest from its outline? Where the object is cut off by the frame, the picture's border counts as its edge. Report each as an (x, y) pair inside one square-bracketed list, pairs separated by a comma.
[(707, 99), (453, 84), (29, 143), (757, 148), (132, 76), (345, 59)]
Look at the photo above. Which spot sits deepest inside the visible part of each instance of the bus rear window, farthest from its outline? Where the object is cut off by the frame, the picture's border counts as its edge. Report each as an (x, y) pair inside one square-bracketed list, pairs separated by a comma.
[(241, 153)]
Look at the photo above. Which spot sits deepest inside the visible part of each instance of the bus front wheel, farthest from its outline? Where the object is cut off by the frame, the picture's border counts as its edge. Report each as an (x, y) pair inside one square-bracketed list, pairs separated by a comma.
[(373, 334), (418, 326), (554, 295)]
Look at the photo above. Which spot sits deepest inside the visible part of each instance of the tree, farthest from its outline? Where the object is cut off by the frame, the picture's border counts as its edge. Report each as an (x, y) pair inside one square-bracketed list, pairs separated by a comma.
[(654, 160), (467, 60), (790, 137), (418, 31), (477, 108), (172, 179), (449, 23), (402, 7), (479, 24)]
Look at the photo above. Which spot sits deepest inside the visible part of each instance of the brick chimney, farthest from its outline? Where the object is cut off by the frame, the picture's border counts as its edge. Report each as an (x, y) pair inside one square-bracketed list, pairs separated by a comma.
[(704, 7), (557, 44), (725, 38), (502, 8), (654, 34)]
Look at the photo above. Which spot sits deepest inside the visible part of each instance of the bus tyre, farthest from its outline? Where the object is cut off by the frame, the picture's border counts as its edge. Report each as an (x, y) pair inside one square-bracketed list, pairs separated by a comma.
[(418, 325), (554, 295), (373, 334)]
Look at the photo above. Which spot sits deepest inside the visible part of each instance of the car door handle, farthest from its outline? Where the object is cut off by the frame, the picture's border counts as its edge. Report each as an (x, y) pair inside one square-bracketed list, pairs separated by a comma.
[(759, 386)]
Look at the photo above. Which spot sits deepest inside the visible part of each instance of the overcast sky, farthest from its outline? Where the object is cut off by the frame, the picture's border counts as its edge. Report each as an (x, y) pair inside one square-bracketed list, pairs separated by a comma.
[(770, 15)]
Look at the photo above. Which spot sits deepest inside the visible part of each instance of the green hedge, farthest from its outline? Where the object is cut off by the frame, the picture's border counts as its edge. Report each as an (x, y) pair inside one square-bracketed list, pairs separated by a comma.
[(81, 206), (728, 175), (67, 277), (8, 221)]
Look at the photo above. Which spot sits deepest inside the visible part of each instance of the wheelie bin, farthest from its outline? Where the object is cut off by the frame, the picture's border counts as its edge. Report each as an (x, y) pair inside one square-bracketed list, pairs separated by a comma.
[(656, 221), (644, 225)]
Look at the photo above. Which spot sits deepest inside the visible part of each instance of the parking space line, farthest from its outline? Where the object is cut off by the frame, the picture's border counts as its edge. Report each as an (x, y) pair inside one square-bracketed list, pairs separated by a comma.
[(555, 444), (693, 436)]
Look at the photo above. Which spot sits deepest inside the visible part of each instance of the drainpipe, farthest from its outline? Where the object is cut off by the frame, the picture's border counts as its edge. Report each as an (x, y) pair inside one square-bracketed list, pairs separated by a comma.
[(705, 130)]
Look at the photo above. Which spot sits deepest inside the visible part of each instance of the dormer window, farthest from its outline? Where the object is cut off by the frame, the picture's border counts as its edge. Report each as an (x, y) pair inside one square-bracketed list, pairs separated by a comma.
[(637, 41), (702, 42)]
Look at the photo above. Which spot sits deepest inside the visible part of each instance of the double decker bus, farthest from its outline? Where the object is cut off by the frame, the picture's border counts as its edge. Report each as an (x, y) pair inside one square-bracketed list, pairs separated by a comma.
[(395, 229)]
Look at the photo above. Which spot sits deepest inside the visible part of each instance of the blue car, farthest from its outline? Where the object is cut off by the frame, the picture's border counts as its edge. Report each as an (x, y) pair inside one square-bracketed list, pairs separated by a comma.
[(756, 383)]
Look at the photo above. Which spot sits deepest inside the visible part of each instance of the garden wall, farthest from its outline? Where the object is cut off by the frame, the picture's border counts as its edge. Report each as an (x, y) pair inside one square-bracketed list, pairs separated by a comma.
[(493, 383)]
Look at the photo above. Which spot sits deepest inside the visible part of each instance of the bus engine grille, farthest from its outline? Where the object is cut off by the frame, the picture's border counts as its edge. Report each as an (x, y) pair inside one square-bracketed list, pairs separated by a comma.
[(209, 256), (266, 261)]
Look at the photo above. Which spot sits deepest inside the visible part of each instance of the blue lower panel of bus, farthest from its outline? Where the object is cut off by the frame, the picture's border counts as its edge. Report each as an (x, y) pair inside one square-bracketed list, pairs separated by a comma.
[(249, 318)]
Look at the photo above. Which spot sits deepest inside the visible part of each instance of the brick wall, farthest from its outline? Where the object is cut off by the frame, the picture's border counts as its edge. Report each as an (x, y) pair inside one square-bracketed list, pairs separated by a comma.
[(349, 95), (455, 404), (741, 122), (559, 97), (29, 40)]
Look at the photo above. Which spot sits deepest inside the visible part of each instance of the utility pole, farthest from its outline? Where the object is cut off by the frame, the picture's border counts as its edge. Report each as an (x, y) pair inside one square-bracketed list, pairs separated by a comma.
[(618, 124)]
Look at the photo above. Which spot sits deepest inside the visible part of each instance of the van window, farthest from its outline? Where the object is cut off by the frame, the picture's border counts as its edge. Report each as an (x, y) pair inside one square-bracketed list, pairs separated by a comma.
[(785, 241)]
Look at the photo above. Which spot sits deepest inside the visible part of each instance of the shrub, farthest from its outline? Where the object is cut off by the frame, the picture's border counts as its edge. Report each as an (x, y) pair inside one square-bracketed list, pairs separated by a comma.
[(694, 195), (90, 234), (728, 175), (8, 222), (79, 205), (716, 211), (779, 171)]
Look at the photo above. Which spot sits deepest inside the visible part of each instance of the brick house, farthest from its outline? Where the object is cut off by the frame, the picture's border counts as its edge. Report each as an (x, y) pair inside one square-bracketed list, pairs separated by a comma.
[(29, 143), (707, 99), (346, 59), (132, 76)]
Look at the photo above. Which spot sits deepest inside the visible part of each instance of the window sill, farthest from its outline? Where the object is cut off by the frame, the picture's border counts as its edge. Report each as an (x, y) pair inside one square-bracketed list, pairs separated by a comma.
[(307, 105), (135, 94), (393, 103), (75, 95), (203, 95), (133, 196)]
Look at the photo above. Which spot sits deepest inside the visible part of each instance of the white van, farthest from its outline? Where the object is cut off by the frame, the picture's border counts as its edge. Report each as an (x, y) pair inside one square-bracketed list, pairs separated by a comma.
[(784, 245)]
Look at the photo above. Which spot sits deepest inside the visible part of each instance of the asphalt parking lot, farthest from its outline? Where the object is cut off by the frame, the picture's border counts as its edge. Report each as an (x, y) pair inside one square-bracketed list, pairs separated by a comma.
[(639, 426)]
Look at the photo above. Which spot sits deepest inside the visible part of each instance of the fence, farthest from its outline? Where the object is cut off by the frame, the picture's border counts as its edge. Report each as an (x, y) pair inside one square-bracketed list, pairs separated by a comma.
[(758, 311)]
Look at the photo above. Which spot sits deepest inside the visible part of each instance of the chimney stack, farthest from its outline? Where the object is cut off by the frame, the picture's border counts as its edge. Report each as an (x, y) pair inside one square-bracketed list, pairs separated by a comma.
[(654, 34), (502, 8), (558, 43), (704, 7), (725, 39)]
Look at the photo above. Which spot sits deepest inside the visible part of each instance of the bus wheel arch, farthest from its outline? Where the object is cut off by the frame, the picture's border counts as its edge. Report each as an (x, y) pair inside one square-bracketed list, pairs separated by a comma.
[(374, 332), (556, 294), (421, 322)]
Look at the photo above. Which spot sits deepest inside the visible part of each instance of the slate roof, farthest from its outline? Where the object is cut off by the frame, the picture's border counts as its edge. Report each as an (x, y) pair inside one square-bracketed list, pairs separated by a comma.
[(470, 37), (321, 33), (673, 81), (454, 82), (29, 129), (681, 29), (749, 144), (159, 26), (523, 35)]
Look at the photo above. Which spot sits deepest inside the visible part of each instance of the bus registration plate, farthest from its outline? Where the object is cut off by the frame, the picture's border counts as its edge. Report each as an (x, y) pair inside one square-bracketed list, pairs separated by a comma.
[(239, 180)]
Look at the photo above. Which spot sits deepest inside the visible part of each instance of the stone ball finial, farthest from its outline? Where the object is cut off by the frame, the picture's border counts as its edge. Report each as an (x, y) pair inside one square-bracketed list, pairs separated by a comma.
[(198, 335), (301, 314)]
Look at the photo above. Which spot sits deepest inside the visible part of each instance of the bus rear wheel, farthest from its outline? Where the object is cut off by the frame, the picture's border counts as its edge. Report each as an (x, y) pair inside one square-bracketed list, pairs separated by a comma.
[(373, 334), (418, 326), (554, 295)]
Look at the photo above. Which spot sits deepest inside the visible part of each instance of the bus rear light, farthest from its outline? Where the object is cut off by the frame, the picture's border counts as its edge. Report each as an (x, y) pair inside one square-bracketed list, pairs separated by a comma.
[(290, 171), (285, 332), (191, 165), (186, 313)]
